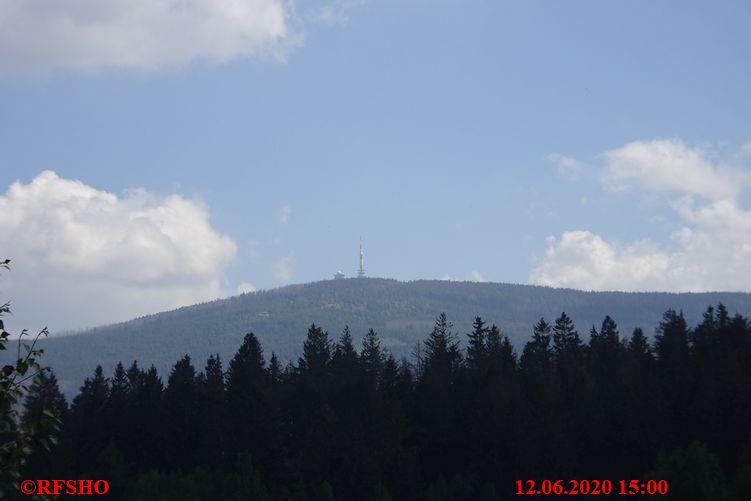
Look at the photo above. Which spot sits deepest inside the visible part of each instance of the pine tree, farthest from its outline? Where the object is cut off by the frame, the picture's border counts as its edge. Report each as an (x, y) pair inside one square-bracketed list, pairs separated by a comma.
[(316, 357), (44, 397), (565, 337), (540, 404), (146, 404), (180, 416), (606, 344), (117, 411), (276, 372), (607, 364), (502, 359), (477, 345), (86, 425), (345, 358), (442, 348), (212, 422), (438, 400), (537, 356), (253, 414), (373, 357)]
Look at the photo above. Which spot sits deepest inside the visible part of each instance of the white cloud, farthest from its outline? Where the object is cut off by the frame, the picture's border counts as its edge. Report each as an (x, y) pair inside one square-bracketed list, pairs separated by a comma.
[(670, 165), (83, 256), (43, 35), (710, 251), (567, 167), (283, 268), (476, 276), (583, 260), (245, 287), (285, 214)]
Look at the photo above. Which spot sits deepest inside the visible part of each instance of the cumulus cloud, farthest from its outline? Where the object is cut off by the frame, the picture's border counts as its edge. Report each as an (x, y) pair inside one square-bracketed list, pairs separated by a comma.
[(583, 260), (285, 214), (710, 251), (42, 35), (83, 256), (670, 165)]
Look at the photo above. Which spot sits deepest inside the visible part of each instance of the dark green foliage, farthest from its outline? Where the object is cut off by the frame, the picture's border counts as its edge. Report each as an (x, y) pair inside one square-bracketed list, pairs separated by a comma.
[(43, 402), (537, 358), (316, 352), (24, 380), (675, 366), (86, 428), (638, 345), (44, 395), (143, 443), (477, 345), (346, 425), (566, 341), (438, 400), (401, 312), (241, 483), (372, 355), (442, 353), (253, 413), (180, 415), (212, 437), (694, 474)]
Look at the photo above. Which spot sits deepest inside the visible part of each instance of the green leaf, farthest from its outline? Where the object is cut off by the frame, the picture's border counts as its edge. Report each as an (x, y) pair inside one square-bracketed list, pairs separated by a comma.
[(22, 367)]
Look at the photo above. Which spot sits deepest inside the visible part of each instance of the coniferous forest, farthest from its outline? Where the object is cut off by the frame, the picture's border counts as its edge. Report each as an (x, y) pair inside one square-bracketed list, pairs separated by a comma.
[(464, 418)]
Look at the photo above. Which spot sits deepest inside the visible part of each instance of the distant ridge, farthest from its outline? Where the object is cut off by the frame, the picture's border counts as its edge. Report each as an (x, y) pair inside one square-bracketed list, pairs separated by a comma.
[(401, 312)]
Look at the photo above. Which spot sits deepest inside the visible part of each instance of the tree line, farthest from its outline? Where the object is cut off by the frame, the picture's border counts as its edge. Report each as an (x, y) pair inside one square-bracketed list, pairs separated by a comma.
[(451, 422)]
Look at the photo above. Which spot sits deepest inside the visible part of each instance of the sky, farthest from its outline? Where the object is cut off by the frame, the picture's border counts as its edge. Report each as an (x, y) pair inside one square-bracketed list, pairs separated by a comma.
[(159, 153)]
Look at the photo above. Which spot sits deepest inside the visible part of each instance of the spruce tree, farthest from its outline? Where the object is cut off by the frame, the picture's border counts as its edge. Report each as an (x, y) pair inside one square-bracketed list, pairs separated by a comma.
[(565, 337), (253, 414), (316, 358), (180, 416), (44, 397), (372, 356), (477, 345), (212, 422)]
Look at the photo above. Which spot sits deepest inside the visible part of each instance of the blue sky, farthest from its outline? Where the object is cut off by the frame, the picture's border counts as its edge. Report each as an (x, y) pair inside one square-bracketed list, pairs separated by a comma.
[(596, 145)]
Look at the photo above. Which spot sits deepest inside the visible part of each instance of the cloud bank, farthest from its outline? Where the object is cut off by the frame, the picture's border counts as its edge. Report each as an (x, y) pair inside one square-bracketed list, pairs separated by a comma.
[(43, 35), (82, 256), (710, 251)]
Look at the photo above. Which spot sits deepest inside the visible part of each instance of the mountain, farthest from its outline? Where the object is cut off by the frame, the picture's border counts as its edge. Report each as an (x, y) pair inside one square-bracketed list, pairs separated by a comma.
[(401, 312)]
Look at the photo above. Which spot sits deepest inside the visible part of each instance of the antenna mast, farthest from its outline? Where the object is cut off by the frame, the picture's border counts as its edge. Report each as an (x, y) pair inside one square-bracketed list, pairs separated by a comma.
[(361, 271)]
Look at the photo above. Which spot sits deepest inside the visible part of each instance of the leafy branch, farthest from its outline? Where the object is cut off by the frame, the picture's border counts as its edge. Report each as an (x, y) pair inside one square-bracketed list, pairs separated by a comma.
[(20, 438)]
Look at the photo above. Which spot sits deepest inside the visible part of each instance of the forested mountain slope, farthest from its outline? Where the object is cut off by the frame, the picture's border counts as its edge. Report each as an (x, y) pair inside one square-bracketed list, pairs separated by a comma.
[(401, 312)]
